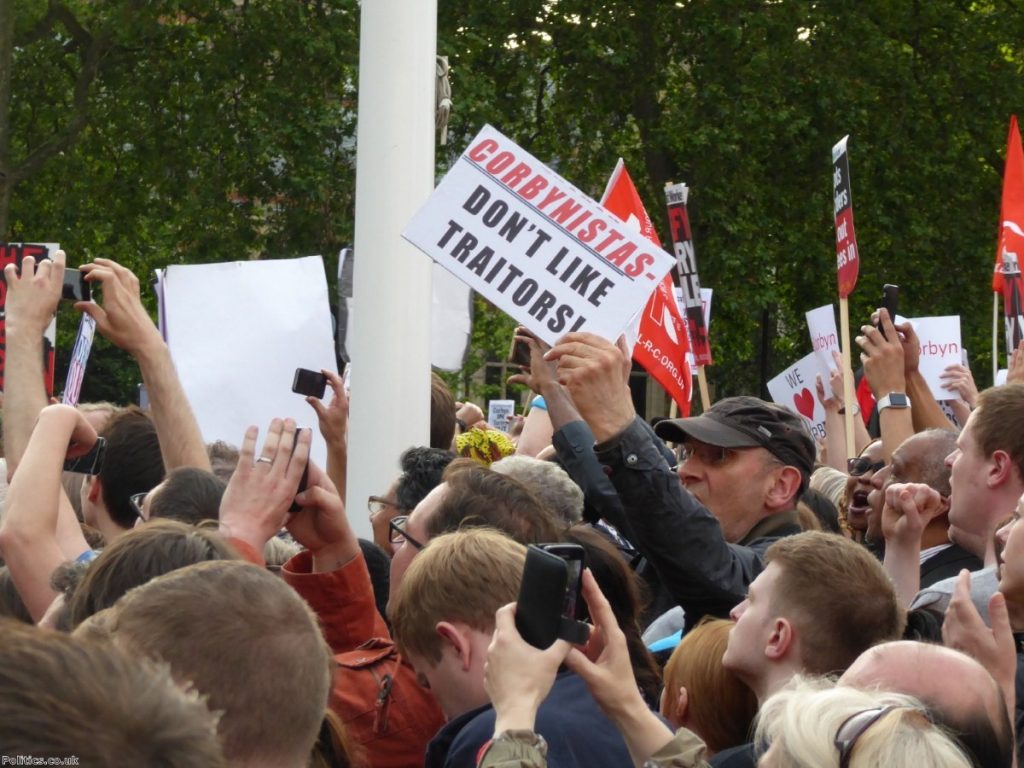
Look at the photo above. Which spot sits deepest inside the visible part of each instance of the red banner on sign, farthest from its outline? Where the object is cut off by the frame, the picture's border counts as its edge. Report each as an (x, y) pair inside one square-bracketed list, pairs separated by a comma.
[(661, 345), (847, 255), (1011, 213)]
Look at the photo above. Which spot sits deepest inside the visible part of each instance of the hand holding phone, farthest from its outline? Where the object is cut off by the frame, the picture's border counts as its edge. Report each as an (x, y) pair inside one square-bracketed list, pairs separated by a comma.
[(89, 463), (75, 288), (890, 302)]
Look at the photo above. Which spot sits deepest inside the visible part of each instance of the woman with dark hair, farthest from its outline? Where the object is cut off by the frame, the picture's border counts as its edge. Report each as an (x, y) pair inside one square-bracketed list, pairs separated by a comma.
[(622, 588)]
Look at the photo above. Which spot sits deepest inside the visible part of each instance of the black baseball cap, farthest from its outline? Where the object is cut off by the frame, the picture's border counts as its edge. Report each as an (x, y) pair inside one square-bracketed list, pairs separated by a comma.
[(749, 422)]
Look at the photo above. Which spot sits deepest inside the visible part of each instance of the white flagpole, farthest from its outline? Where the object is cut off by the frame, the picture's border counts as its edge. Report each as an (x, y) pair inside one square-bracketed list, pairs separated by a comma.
[(995, 337), (390, 391)]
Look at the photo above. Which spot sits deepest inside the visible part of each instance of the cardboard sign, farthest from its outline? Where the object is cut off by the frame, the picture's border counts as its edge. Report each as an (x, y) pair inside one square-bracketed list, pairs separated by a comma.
[(499, 412), (847, 255), (940, 347), (79, 359), (705, 304), (237, 331), (13, 253), (686, 262), (534, 245), (821, 323), (795, 389)]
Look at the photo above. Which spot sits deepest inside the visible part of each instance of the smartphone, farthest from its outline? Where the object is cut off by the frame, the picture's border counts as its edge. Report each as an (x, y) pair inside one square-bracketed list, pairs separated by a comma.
[(304, 480), (75, 287), (519, 352), (309, 383), (890, 301), (550, 594), (573, 605), (90, 463)]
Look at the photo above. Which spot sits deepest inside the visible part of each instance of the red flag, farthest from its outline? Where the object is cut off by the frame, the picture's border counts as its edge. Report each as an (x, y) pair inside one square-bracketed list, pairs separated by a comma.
[(1011, 215), (661, 345)]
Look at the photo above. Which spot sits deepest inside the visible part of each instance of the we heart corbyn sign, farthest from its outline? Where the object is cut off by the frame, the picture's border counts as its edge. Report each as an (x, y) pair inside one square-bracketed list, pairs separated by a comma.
[(795, 389)]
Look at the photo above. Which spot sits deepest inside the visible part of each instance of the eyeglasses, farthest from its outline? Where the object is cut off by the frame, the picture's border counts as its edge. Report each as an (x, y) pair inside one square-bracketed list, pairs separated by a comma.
[(376, 505), (137, 500), (712, 455), (861, 466), (853, 728), (397, 534)]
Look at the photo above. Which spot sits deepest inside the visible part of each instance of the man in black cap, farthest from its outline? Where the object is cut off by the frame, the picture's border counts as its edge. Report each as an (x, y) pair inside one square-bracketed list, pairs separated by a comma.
[(745, 463)]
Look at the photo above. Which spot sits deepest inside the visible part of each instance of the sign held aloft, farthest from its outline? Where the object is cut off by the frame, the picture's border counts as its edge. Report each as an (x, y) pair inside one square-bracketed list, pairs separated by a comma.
[(847, 256), (534, 245)]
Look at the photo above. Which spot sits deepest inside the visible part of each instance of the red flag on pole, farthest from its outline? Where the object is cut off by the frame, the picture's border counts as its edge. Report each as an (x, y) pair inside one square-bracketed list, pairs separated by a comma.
[(661, 345), (1011, 215)]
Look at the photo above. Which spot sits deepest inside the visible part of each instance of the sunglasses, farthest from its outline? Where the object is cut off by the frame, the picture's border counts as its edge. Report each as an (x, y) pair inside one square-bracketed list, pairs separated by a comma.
[(861, 466), (853, 728)]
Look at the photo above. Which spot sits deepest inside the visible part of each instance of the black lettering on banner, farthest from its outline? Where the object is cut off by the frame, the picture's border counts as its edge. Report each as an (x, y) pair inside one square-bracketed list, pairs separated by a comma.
[(562, 315), (478, 263), (539, 239), (477, 200), (464, 247), (544, 302), (524, 292), (453, 228)]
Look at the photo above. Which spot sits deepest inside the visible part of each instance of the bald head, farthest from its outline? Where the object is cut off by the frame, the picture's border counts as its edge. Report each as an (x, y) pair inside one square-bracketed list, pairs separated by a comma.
[(961, 694), (921, 458)]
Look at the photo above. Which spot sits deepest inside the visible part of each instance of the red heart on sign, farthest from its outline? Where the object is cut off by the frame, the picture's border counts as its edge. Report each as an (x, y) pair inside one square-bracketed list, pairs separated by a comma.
[(804, 402)]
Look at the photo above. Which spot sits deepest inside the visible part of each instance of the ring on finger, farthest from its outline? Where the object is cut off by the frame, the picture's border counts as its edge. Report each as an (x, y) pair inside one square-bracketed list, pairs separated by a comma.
[(266, 459)]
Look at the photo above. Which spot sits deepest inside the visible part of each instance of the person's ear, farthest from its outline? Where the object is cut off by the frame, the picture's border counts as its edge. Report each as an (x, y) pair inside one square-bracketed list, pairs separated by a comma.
[(459, 641), (783, 489), (1001, 469), (682, 705), (781, 641), (93, 490)]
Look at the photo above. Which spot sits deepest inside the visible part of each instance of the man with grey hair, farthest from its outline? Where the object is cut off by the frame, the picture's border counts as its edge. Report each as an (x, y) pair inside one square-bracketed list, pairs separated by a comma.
[(551, 484)]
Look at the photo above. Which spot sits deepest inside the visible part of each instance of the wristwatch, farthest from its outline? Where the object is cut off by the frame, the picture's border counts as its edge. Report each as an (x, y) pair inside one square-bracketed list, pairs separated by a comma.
[(893, 400)]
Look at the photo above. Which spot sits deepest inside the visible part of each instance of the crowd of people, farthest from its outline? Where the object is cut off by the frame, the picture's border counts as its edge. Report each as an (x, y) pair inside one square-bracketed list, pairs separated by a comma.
[(751, 597)]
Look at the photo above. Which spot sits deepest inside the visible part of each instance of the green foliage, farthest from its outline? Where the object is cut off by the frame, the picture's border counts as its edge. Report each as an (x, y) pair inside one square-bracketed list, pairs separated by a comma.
[(226, 129)]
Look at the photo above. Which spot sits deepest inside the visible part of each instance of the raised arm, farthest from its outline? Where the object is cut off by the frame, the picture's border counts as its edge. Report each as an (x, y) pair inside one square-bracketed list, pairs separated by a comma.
[(883, 359), (908, 509), (32, 298), (123, 320), (32, 542), (333, 420)]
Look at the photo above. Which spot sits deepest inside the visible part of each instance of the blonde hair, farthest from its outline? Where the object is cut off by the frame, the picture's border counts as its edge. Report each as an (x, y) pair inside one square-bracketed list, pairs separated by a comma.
[(802, 720), (463, 576)]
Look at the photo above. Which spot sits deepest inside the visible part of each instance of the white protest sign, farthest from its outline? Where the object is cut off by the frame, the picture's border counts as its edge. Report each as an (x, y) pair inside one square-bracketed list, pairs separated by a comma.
[(940, 347), (1001, 376), (821, 323), (795, 389), (499, 412), (534, 245), (705, 304), (237, 332)]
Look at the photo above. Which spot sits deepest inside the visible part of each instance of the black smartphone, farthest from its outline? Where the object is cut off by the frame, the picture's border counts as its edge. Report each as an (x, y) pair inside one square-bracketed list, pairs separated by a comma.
[(304, 480), (75, 287), (890, 302), (550, 595), (90, 463), (541, 597), (573, 605), (519, 351), (309, 383)]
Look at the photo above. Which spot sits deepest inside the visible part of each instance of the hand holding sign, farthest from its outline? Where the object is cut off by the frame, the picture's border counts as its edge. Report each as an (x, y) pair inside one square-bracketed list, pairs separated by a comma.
[(33, 294), (959, 380)]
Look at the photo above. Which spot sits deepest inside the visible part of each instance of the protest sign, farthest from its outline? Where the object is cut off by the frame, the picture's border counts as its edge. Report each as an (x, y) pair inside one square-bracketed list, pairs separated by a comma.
[(79, 359), (939, 338), (237, 331), (686, 262), (705, 305), (795, 389), (821, 323), (13, 253), (534, 245), (499, 412), (847, 256), (661, 341)]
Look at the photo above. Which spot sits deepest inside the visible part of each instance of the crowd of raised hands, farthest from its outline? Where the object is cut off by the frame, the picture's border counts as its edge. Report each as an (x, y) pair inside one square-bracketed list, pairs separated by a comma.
[(752, 597)]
